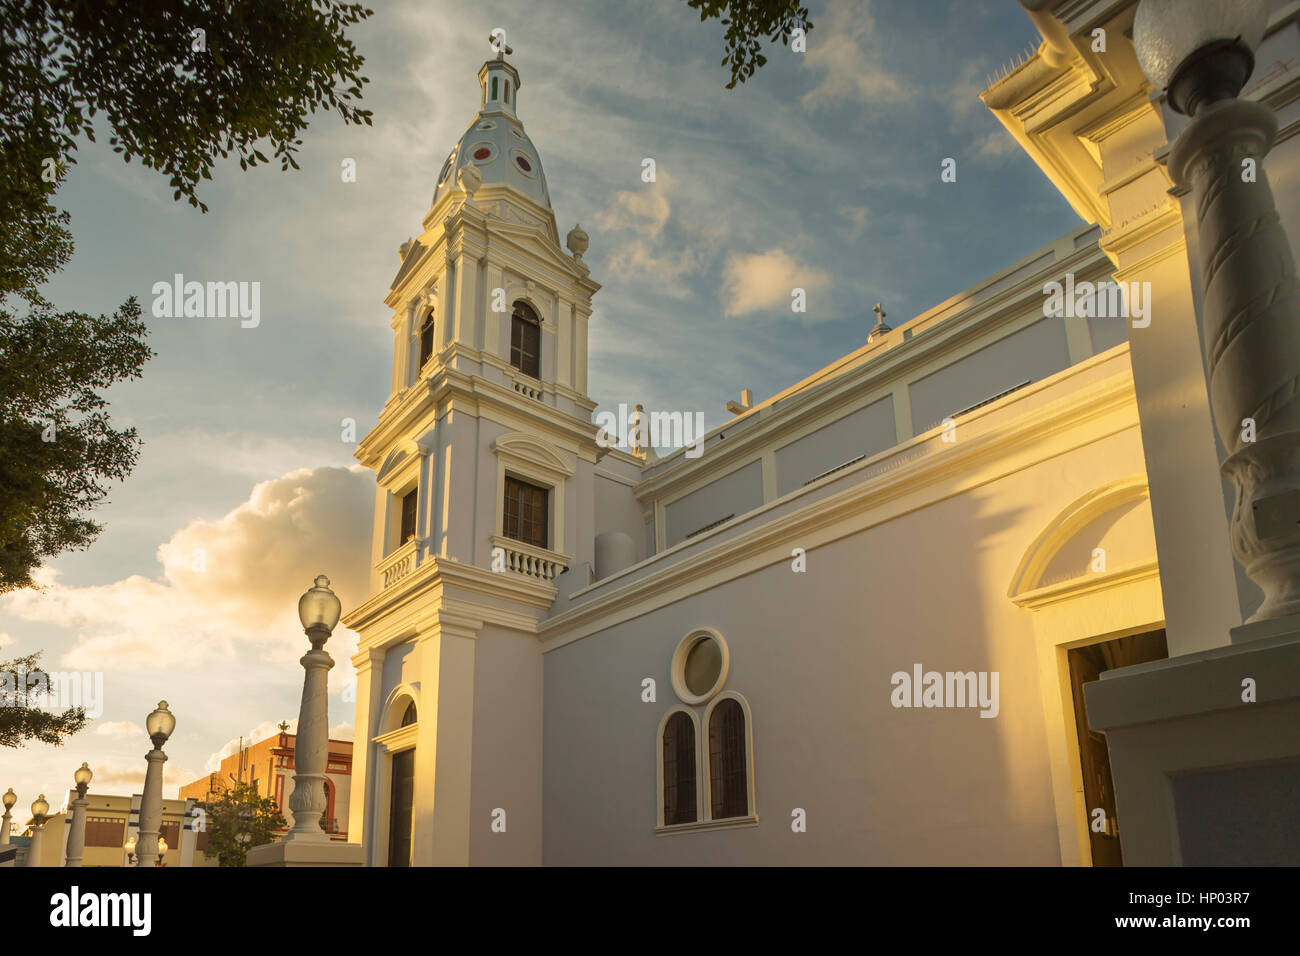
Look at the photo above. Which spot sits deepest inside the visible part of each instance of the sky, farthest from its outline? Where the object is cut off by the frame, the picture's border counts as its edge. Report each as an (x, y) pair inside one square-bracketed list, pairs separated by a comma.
[(822, 172)]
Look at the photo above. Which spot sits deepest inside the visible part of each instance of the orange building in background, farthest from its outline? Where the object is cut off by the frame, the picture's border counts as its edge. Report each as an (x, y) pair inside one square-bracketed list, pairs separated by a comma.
[(267, 766)]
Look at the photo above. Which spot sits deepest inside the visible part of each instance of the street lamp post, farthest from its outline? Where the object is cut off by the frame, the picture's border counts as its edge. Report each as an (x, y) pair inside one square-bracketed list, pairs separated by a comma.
[(1203, 52), (159, 725), (10, 798), (77, 832), (318, 610), (39, 809)]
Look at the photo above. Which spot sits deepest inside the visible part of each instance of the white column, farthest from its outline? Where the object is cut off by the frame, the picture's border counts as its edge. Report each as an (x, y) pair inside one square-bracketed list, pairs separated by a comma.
[(146, 844), (34, 847), (77, 833), (1251, 337), (311, 747), (444, 749), (360, 823)]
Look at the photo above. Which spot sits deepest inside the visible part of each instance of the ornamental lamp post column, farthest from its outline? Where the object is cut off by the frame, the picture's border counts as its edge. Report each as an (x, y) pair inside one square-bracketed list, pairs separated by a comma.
[(10, 798), (159, 725), (1203, 52), (39, 809), (77, 832), (318, 610)]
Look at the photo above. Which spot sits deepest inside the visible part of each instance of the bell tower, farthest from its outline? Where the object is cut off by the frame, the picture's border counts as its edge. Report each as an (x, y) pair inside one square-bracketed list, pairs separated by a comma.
[(484, 457)]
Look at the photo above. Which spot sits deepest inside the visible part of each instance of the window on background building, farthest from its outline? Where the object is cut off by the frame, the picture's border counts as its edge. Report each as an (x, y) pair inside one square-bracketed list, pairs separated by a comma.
[(105, 831), (171, 832), (426, 339), (409, 502), (679, 770), (526, 340), (728, 783), (409, 715), (524, 515)]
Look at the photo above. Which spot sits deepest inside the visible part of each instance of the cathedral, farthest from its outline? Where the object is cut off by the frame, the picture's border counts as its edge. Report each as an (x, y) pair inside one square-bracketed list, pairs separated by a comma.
[(851, 625)]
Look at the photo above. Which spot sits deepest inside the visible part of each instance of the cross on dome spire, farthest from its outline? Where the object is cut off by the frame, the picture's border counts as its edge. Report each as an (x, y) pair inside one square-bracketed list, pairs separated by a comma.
[(497, 40), (499, 78)]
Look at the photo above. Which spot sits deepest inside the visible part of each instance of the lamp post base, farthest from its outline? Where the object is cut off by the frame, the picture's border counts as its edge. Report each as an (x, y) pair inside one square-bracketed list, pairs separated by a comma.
[(307, 853)]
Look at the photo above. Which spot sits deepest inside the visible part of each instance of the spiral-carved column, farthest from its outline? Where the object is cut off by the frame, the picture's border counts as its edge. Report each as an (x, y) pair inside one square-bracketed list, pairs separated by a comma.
[(1250, 312)]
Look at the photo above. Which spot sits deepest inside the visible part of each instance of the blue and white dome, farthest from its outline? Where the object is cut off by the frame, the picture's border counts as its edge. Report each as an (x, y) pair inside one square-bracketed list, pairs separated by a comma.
[(495, 142)]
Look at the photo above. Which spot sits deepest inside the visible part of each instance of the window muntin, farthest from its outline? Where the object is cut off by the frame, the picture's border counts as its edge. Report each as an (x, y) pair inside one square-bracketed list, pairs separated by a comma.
[(524, 517), (679, 770), (409, 503), (525, 340), (728, 778)]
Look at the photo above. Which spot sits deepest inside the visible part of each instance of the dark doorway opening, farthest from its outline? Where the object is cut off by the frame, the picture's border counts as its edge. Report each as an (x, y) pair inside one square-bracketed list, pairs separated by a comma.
[(400, 808), (1086, 665)]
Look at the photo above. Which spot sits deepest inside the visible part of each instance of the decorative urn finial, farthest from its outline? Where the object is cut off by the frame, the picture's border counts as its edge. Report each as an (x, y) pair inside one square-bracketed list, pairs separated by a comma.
[(469, 179), (577, 241)]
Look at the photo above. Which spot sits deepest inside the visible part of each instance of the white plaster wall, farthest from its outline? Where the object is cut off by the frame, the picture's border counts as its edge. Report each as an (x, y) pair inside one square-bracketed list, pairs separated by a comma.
[(813, 654), (1033, 353), (507, 767), (616, 509), (736, 493), (863, 432)]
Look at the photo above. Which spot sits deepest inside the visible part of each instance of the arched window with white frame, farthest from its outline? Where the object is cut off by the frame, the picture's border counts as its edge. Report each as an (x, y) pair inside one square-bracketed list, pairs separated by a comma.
[(679, 769), (729, 729)]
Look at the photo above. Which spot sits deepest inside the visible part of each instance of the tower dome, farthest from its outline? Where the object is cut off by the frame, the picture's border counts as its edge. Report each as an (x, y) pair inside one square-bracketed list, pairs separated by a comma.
[(495, 142)]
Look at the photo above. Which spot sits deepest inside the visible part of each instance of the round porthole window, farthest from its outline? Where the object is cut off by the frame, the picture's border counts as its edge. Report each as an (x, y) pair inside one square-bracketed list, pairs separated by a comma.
[(699, 667), (482, 153)]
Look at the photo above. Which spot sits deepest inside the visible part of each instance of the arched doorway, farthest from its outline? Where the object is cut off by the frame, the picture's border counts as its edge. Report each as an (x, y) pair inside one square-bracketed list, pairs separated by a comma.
[(401, 804)]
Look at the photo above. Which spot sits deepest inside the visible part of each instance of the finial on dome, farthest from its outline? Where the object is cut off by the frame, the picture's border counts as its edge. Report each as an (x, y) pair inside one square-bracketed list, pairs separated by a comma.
[(880, 328), (469, 179), (577, 241)]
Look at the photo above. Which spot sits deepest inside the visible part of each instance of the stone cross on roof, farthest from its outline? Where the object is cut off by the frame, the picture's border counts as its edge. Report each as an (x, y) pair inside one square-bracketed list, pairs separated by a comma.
[(880, 328)]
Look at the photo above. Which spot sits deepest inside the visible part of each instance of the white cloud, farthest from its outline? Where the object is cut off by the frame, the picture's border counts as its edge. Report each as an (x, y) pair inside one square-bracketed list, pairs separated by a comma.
[(843, 48), (229, 587), (120, 728), (766, 280), (857, 217), (131, 776), (634, 225), (997, 145)]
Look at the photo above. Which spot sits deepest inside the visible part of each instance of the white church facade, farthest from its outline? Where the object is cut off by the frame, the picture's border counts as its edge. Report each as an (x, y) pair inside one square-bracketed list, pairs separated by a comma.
[(854, 626)]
